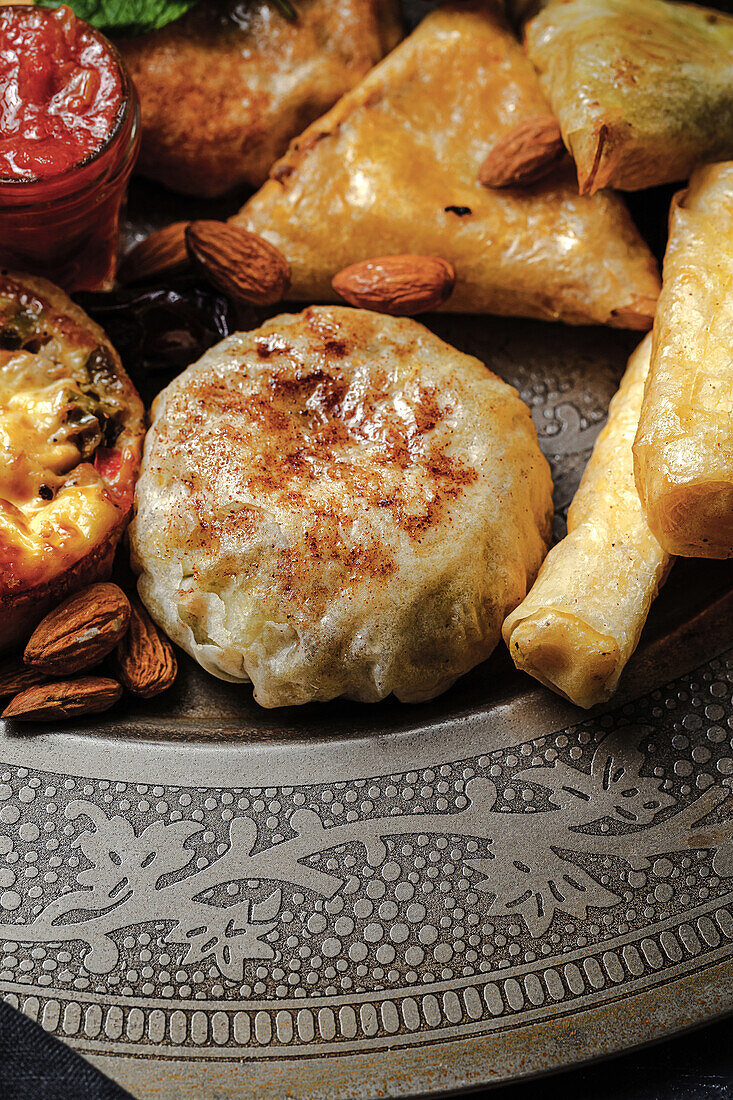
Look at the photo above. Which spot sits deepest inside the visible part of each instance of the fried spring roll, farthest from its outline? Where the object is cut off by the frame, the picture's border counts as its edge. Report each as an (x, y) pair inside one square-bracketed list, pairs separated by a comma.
[(582, 619), (684, 445)]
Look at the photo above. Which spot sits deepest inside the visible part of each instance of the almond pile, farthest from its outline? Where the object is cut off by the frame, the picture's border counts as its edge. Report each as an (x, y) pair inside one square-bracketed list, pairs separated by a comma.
[(72, 640)]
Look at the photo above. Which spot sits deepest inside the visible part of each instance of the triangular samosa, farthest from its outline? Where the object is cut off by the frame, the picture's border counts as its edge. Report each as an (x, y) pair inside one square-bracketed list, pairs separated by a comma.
[(393, 168), (642, 89)]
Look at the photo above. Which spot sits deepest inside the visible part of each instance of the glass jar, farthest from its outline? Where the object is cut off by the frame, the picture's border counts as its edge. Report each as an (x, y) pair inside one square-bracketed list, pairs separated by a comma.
[(66, 227)]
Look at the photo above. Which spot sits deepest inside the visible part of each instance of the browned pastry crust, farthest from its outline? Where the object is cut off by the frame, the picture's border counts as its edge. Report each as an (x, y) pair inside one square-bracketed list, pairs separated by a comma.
[(339, 503), (226, 87), (684, 446), (641, 88), (393, 169)]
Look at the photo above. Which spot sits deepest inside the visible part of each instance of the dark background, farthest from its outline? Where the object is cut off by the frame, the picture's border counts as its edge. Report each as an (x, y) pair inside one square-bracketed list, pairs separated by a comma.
[(694, 1066)]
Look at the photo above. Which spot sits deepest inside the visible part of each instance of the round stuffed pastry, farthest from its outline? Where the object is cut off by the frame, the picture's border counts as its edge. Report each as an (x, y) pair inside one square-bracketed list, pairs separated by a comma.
[(339, 503), (71, 433)]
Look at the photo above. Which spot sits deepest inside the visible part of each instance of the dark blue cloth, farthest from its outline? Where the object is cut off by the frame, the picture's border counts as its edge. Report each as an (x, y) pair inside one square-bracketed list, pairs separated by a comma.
[(34, 1066)]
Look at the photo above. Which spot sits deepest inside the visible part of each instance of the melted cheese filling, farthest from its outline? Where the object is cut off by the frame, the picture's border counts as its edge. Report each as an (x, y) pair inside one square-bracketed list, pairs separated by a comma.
[(54, 506)]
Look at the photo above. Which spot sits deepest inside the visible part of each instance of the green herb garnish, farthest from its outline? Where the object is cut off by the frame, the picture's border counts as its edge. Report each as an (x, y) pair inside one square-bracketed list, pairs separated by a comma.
[(287, 9), (128, 17)]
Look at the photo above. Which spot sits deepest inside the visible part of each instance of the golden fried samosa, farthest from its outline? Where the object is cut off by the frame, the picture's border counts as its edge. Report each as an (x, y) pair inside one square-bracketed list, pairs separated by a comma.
[(684, 445), (393, 168), (225, 88), (581, 621), (642, 89)]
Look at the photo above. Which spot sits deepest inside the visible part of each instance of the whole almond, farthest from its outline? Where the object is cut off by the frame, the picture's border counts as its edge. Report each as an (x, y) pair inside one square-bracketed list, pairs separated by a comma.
[(16, 676), (243, 265), (525, 154), (400, 285), (64, 699), (161, 253), (144, 660), (80, 631)]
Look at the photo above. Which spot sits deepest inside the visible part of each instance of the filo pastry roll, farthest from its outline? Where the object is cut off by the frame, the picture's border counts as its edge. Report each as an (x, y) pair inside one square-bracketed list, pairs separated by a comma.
[(684, 445), (582, 619)]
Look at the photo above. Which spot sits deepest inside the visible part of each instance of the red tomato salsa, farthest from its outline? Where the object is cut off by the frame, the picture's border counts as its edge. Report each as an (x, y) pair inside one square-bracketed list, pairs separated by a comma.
[(61, 92)]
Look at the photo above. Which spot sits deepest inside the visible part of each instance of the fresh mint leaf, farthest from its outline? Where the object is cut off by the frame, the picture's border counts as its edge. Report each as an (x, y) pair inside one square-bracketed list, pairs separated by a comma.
[(126, 17), (287, 9)]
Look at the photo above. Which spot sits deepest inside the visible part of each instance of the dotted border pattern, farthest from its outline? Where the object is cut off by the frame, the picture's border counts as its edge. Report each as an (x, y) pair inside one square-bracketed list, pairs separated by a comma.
[(332, 1025), (558, 985)]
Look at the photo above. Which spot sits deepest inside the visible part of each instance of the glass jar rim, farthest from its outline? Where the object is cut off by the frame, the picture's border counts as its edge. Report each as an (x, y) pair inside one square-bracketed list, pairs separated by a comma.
[(128, 105)]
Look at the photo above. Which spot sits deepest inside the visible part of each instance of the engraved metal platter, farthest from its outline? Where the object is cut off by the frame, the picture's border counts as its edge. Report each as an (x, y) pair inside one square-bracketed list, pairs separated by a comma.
[(211, 900)]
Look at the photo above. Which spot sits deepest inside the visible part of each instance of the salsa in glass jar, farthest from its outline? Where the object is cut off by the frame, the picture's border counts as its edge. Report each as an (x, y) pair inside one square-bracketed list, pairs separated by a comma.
[(69, 137)]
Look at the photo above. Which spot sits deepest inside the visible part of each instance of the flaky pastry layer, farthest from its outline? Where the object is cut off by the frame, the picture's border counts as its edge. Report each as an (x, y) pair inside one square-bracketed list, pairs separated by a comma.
[(684, 445), (393, 168), (582, 619), (339, 503)]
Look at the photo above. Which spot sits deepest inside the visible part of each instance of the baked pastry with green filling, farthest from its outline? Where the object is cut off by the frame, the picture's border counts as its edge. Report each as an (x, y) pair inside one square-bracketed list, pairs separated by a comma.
[(642, 89)]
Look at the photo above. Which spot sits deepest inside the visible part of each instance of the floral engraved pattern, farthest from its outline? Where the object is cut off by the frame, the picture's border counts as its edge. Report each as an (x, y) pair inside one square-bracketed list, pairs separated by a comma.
[(522, 879), (614, 790), (528, 864)]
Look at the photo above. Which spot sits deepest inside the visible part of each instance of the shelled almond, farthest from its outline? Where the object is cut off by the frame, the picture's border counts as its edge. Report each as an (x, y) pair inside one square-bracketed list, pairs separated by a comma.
[(144, 659), (162, 253), (525, 154), (241, 264), (399, 285), (64, 699), (75, 638), (80, 631)]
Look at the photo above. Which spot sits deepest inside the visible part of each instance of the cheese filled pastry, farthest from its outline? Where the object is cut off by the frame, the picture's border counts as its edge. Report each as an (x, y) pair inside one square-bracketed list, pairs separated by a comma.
[(393, 168), (581, 621), (684, 445), (642, 89), (71, 435)]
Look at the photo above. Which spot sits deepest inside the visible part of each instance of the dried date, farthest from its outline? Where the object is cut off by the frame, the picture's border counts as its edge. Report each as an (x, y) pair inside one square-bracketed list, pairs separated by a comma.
[(159, 329)]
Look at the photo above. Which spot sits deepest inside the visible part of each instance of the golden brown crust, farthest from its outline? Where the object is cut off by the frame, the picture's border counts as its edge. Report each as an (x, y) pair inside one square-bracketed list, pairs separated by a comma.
[(582, 620), (223, 90), (339, 503), (641, 88), (22, 600), (684, 445), (393, 168), (308, 416)]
